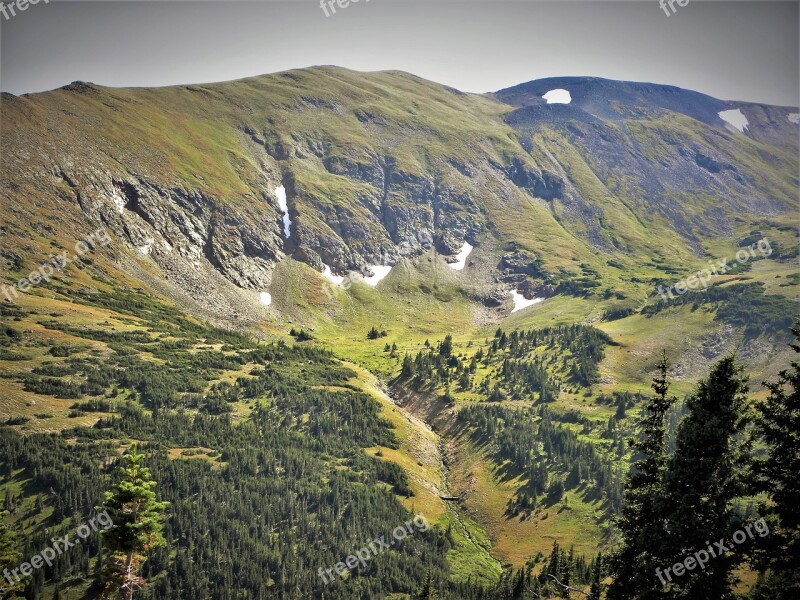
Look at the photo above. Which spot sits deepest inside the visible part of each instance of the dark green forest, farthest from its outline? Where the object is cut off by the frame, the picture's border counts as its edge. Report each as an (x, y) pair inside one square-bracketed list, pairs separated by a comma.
[(273, 483)]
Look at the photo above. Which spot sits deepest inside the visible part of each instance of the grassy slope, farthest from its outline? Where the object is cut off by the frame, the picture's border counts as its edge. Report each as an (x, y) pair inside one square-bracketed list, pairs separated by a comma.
[(340, 319), (627, 367), (418, 453), (194, 135)]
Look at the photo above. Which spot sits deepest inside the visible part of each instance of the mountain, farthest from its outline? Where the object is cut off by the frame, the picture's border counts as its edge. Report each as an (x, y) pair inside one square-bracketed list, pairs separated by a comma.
[(385, 166), (460, 271)]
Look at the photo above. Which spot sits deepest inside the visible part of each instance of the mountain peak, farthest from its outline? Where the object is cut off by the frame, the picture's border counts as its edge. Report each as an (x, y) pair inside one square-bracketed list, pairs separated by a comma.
[(602, 97)]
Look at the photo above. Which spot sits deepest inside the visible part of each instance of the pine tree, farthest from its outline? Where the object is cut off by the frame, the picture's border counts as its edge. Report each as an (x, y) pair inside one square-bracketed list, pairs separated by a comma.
[(446, 346), (136, 528), (427, 591), (703, 477), (778, 475), (408, 368), (641, 520), (597, 577)]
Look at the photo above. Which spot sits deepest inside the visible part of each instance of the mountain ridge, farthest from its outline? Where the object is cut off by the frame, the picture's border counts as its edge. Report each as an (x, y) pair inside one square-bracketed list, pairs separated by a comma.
[(385, 166), (552, 79)]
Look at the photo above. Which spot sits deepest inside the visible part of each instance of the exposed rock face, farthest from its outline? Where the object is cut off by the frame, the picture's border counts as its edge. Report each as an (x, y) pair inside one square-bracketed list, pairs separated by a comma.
[(414, 212), (372, 172), (523, 271), (520, 263), (174, 223), (497, 297), (541, 184), (378, 167), (533, 289), (408, 210), (713, 164)]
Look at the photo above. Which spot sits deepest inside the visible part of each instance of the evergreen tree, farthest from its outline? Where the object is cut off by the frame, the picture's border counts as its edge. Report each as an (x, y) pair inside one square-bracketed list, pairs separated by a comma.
[(703, 477), (641, 521), (596, 588), (446, 347), (408, 368), (136, 529), (778, 475), (427, 591)]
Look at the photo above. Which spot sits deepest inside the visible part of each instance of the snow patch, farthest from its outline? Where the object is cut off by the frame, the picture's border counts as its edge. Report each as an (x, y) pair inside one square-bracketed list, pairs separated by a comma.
[(794, 118), (521, 301), (380, 273), (146, 248), (280, 191), (558, 96), (735, 117), (266, 298), (328, 274), (461, 257)]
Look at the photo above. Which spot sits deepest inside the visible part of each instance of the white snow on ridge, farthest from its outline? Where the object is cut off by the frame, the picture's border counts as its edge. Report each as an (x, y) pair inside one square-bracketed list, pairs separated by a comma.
[(558, 96), (380, 273), (521, 301), (735, 117), (461, 257), (280, 191), (334, 279), (266, 298), (794, 118)]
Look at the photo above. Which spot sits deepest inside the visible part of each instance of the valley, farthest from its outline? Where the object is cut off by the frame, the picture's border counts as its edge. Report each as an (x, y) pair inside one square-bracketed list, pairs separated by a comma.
[(334, 300)]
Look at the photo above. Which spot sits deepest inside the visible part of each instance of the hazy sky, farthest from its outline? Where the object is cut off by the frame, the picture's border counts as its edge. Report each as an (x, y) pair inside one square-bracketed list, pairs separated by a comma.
[(731, 50)]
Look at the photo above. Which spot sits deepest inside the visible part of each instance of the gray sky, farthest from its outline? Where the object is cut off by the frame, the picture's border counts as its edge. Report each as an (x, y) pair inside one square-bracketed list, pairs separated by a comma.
[(731, 50)]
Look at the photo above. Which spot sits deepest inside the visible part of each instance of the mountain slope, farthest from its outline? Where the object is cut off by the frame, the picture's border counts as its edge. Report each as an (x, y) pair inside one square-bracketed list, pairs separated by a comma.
[(591, 207), (381, 166)]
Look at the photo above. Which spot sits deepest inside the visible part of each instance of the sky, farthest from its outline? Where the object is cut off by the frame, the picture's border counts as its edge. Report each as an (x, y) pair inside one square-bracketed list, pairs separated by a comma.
[(730, 50)]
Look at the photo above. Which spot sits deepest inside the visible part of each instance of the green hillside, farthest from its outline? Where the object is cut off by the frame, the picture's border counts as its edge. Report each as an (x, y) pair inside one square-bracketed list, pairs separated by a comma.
[(285, 434)]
